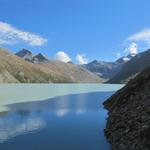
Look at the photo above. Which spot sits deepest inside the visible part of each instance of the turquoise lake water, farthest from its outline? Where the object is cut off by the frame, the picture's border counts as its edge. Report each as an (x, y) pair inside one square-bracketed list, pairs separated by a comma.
[(54, 117)]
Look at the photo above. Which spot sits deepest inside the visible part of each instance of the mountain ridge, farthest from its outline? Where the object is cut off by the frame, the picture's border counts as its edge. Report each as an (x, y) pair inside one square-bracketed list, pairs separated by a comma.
[(106, 69), (132, 68), (14, 69), (28, 55)]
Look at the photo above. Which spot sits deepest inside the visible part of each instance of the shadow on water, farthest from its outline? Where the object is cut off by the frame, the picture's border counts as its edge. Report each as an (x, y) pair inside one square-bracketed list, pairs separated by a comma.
[(70, 122)]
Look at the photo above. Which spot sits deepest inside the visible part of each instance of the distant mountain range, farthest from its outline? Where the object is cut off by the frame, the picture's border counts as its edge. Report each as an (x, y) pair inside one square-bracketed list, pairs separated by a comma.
[(24, 67), (133, 67), (122, 70), (107, 70)]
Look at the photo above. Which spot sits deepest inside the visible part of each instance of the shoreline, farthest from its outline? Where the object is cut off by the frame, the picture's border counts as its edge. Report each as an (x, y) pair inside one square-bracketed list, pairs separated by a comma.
[(19, 93)]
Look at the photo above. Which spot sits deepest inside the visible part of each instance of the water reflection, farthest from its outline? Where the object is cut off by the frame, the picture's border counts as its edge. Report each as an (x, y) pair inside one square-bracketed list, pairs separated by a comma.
[(15, 125), (81, 114), (77, 103)]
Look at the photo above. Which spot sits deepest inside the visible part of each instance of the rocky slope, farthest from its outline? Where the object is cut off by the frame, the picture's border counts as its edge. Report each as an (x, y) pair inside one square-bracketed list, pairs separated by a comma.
[(15, 69), (128, 124), (107, 70), (27, 55), (132, 68), (40, 58)]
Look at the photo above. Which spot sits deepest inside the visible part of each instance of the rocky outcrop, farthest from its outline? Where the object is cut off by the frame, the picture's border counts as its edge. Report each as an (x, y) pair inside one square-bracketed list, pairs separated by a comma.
[(40, 58), (25, 54), (128, 122), (28, 56)]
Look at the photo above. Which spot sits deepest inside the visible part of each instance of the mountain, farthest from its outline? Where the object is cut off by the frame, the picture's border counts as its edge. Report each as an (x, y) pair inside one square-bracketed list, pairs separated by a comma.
[(107, 70), (128, 122), (39, 58), (70, 62), (131, 68), (125, 59), (14, 69), (25, 54), (103, 69)]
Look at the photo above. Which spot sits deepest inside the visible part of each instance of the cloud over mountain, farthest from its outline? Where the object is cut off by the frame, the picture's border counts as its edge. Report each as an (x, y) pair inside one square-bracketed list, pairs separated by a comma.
[(81, 58), (132, 49), (62, 56)]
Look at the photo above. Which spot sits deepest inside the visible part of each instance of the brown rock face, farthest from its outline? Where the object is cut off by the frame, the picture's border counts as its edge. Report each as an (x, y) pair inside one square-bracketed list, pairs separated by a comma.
[(128, 124)]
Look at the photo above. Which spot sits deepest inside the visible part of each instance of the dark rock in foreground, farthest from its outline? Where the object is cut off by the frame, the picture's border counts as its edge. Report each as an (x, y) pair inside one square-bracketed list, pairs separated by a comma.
[(128, 124)]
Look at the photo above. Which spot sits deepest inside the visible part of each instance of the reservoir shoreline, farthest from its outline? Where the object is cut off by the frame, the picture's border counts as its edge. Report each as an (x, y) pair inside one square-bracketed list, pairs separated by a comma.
[(19, 93)]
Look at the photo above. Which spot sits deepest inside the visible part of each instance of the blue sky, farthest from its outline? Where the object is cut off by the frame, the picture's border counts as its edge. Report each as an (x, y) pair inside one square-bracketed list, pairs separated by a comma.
[(95, 29)]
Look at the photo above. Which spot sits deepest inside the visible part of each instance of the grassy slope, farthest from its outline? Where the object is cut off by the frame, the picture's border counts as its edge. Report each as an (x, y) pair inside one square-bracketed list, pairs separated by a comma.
[(14, 69)]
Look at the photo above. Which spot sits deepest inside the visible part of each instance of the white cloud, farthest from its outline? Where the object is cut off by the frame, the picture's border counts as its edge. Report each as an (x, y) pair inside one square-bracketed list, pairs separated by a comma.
[(10, 35), (10, 128), (118, 54), (62, 56), (132, 49), (126, 59), (81, 58), (143, 35), (61, 112)]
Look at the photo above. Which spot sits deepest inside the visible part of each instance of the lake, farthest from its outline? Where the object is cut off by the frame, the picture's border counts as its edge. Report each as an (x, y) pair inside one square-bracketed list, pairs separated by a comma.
[(54, 116)]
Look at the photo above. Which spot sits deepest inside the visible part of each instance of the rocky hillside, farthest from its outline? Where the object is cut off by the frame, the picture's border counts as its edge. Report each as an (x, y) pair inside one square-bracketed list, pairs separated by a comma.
[(15, 69), (27, 55), (128, 124), (40, 58), (132, 68), (107, 70)]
